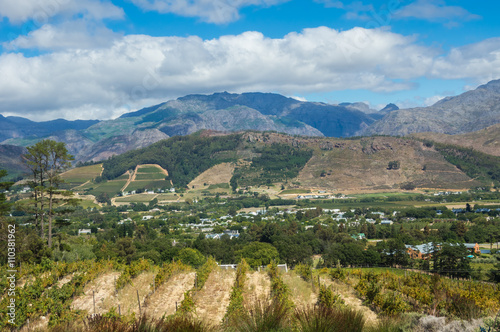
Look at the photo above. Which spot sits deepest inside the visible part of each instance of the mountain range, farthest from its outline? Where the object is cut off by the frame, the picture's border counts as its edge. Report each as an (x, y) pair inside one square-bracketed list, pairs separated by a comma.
[(227, 112)]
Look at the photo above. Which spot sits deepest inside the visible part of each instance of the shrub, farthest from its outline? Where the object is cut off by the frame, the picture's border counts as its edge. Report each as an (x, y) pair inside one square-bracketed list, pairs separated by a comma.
[(326, 319)]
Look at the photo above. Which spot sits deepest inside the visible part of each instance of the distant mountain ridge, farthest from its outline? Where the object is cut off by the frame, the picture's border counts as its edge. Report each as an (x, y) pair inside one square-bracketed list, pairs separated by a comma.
[(231, 112), (471, 111), (225, 112)]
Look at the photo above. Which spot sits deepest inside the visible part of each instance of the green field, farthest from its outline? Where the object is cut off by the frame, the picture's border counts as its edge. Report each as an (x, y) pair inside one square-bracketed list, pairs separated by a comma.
[(136, 198), (134, 185), (125, 176), (82, 174), (149, 169), (167, 197), (150, 176), (110, 187)]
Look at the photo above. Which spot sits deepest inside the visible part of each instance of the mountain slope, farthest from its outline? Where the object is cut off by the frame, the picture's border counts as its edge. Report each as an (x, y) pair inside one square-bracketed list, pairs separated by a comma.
[(468, 112), (17, 127), (309, 162), (486, 140), (11, 160)]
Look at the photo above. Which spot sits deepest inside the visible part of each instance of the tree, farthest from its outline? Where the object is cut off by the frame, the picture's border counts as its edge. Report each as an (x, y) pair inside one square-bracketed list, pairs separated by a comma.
[(47, 159), (259, 253), (452, 260), (393, 164), (191, 257), (494, 274)]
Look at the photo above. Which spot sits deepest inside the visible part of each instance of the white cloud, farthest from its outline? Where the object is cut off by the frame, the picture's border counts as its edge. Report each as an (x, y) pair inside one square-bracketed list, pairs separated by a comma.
[(435, 11), (212, 11), (98, 81), (77, 34), (480, 61), (40, 11)]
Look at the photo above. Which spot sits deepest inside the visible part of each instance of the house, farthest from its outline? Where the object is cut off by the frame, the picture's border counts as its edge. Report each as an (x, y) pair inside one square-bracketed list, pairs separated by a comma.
[(473, 247), (84, 231), (359, 236), (147, 217), (421, 251), (386, 222)]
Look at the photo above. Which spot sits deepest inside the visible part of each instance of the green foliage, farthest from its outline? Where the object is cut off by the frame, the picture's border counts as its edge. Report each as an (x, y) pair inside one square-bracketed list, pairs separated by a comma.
[(395, 164), (269, 317), (259, 253), (475, 164), (167, 270), (326, 319), (191, 257), (338, 274), (304, 271), (183, 156), (327, 298), (276, 162), (235, 308), (131, 271), (280, 292)]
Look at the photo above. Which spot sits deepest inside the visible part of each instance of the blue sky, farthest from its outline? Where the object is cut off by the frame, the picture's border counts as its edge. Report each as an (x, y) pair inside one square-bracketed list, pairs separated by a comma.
[(99, 59)]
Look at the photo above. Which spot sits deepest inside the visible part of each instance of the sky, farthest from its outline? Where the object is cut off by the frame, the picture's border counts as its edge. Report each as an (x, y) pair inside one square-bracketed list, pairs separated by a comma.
[(98, 59)]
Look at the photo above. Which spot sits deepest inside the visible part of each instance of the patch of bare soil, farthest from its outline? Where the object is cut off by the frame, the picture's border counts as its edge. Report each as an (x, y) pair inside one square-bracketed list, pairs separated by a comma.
[(220, 173), (302, 292), (213, 299), (349, 296), (257, 289), (101, 288), (162, 302)]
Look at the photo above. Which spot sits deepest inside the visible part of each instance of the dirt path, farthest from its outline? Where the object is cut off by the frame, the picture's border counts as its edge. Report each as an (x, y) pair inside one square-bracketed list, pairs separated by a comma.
[(257, 288), (213, 299), (303, 294), (104, 288), (163, 301), (350, 298), (130, 175)]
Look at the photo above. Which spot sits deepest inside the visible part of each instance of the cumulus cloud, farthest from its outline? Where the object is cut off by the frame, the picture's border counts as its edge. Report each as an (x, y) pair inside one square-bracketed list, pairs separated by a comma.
[(212, 11), (42, 10), (480, 61), (435, 11), (136, 70), (77, 34)]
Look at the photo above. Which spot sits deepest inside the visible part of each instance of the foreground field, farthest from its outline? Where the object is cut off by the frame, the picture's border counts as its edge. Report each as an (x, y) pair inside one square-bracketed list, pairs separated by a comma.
[(376, 297)]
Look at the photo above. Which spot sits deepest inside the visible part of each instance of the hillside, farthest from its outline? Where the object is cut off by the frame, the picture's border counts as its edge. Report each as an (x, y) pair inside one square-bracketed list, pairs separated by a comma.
[(486, 140), (471, 111), (10, 160), (252, 159)]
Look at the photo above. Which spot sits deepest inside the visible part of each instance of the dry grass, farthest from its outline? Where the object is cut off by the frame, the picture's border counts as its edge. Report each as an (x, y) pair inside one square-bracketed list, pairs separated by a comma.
[(257, 289), (104, 288), (302, 292), (163, 301), (127, 296), (349, 296), (213, 299), (220, 173)]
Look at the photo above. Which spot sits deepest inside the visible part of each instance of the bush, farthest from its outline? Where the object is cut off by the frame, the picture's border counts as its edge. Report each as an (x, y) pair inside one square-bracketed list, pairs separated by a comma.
[(326, 319)]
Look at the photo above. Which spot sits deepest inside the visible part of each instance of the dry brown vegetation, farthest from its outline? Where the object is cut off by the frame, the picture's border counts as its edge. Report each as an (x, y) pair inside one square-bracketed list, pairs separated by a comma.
[(213, 299), (220, 173), (101, 288), (163, 301), (486, 140)]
